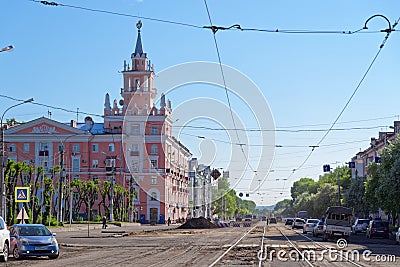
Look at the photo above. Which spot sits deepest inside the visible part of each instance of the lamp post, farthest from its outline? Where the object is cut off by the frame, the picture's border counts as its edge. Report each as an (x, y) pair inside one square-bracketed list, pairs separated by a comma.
[(2, 185), (7, 48)]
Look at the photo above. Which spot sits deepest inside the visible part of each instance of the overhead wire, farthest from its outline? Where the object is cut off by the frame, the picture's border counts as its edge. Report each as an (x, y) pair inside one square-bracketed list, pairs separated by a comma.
[(214, 28), (388, 31), (226, 89)]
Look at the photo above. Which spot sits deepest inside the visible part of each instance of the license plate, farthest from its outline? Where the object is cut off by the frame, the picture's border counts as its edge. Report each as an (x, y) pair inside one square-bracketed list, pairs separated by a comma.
[(338, 234), (41, 248)]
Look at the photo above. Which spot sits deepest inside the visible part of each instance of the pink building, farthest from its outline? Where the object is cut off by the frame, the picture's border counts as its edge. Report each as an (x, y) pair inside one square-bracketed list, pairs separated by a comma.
[(134, 144)]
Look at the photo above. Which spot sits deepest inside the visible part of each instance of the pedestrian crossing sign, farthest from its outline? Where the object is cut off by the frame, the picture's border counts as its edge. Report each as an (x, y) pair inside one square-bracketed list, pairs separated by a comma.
[(21, 194)]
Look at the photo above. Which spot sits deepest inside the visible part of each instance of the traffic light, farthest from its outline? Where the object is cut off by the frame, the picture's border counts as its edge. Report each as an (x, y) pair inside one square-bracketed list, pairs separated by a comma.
[(327, 168)]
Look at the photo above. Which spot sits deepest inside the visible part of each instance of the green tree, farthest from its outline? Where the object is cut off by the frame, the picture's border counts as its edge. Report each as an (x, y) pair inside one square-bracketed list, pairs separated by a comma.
[(355, 196), (324, 198), (304, 185)]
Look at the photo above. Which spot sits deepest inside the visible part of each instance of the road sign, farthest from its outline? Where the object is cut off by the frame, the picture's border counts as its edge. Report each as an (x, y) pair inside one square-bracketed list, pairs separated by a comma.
[(327, 168), (21, 194)]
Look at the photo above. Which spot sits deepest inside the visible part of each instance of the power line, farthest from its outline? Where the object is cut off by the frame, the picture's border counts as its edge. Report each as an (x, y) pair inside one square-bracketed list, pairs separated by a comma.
[(388, 31), (117, 13), (226, 89), (213, 28), (279, 130), (53, 107)]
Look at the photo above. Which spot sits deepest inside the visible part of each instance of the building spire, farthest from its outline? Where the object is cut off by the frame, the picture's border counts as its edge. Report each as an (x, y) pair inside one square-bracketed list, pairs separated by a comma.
[(139, 47)]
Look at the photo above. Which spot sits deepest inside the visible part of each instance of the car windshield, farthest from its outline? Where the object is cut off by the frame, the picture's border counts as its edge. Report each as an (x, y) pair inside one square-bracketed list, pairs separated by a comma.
[(312, 221), (381, 224), (34, 231), (363, 221)]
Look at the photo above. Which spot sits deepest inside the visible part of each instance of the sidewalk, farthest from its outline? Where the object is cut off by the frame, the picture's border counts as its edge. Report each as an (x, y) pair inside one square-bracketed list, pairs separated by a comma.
[(96, 229)]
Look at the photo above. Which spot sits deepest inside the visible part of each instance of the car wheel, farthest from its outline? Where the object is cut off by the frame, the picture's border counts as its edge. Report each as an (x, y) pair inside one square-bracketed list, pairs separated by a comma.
[(16, 254), (4, 257), (53, 256)]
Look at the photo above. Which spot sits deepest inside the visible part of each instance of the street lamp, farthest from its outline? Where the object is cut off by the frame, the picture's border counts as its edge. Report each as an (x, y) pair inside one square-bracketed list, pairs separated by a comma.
[(2, 185), (7, 48)]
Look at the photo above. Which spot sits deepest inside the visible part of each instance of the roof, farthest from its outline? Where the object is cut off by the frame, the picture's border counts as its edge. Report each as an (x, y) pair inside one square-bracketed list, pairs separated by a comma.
[(339, 210), (97, 128)]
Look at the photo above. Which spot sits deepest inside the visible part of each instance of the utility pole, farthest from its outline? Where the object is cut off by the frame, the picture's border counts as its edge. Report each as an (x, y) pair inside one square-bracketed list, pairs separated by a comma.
[(60, 187), (2, 184), (338, 180)]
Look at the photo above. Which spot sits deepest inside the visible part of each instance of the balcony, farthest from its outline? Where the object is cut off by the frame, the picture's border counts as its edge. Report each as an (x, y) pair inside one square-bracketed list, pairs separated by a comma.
[(43, 153), (134, 153)]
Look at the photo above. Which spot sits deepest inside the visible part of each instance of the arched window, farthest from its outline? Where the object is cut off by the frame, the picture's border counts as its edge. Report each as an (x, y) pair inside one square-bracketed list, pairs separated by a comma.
[(153, 196), (137, 85), (154, 149)]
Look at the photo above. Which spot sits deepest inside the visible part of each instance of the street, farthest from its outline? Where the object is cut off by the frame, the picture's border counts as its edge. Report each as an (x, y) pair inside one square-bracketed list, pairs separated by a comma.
[(167, 246)]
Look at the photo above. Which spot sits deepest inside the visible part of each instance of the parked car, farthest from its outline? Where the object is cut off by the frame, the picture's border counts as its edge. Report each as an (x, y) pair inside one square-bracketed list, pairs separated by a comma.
[(318, 228), (378, 228), (289, 221), (309, 225), (398, 236), (272, 220), (359, 226), (298, 223), (32, 240), (4, 240), (248, 218)]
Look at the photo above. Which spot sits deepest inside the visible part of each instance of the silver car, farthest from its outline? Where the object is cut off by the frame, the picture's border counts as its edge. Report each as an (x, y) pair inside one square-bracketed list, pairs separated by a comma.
[(360, 226), (398, 236), (309, 225)]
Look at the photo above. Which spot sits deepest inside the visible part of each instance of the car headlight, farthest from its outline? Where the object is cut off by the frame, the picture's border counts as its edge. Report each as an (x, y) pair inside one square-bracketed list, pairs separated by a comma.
[(23, 241), (53, 241)]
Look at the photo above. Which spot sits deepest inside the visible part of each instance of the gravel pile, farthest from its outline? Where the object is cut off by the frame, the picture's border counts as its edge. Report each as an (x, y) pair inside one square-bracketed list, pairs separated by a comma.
[(197, 223)]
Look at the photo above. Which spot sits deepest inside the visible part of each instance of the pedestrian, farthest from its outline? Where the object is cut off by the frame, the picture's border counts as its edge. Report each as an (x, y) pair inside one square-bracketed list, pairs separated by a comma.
[(169, 221), (104, 222)]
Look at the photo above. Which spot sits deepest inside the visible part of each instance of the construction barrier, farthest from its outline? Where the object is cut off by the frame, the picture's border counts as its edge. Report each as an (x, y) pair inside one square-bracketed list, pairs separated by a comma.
[(246, 224), (222, 224)]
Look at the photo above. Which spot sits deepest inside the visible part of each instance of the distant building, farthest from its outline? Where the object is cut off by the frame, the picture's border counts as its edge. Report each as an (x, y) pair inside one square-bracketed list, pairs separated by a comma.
[(371, 154)]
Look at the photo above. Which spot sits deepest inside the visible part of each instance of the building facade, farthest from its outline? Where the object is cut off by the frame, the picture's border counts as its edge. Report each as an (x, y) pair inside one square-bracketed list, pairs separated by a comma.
[(132, 147)]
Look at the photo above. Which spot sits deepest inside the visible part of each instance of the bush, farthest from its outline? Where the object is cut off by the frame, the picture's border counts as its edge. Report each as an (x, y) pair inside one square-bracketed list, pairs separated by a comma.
[(97, 218)]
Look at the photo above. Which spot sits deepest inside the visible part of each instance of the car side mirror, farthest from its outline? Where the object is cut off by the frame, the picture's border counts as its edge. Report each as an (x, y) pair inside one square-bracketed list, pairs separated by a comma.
[(53, 234)]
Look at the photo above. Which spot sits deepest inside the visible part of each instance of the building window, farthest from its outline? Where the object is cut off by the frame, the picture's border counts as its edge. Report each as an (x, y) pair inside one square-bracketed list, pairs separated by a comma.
[(135, 147), (95, 196), (95, 163), (137, 85), (111, 148), (153, 196), (95, 147), (154, 149), (135, 166), (26, 147), (60, 147), (75, 164), (76, 177), (154, 164), (154, 130), (154, 180), (135, 129), (44, 147), (76, 148), (12, 148), (95, 179), (76, 196)]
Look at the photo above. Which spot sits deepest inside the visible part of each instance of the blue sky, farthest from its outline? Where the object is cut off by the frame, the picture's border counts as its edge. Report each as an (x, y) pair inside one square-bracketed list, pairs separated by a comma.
[(70, 58)]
